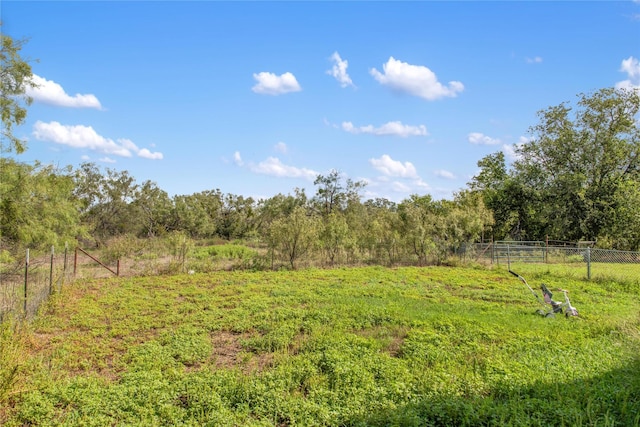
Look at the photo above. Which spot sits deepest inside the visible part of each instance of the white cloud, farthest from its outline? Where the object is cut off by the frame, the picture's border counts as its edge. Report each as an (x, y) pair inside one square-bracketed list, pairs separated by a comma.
[(85, 137), (389, 167), (145, 153), (444, 174), (631, 66), (270, 84), (415, 80), (107, 160), (339, 70), (534, 60), (281, 147), (50, 92), (391, 128), (420, 183), (478, 138), (237, 159), (274, 167)]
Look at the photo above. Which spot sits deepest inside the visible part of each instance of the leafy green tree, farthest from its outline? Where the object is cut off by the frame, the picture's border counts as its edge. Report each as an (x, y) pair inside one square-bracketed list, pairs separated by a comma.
[(236, 217), (335, 236), (580, 159), (37, 206), (334, 195), (293, 237), (278, 206), (467, 218), (153, 207), (107, 201), (196, 214), (15, 78), (418, 225), (515, 206), (624, 230)]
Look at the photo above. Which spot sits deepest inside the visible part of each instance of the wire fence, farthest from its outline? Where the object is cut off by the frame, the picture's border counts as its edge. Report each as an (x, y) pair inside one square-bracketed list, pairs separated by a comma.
[(580, 261), (26, 283)]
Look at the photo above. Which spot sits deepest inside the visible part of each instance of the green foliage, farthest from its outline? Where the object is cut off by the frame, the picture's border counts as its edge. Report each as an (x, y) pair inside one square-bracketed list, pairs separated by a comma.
[(37, 206), (293, 237), (367, 346), (15, 78)]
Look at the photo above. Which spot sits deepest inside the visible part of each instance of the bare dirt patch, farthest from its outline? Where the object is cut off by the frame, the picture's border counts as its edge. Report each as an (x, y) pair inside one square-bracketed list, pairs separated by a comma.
[(228, 352)]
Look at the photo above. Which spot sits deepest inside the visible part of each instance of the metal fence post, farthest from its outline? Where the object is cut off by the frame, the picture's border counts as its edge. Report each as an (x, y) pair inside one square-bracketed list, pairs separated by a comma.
[(588, 263), (508, 258), (75, 262), (26, 281), (64, 266), (493, 251), (51, 271)]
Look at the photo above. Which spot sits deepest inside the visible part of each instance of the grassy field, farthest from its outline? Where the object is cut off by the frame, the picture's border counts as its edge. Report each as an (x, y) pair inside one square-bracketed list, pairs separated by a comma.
[(362, 346)]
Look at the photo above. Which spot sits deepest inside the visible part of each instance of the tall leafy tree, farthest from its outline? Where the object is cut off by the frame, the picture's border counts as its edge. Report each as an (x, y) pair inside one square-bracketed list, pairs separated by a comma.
[(37, 206), (15, 78), (196, 214), (107, 201), (293, 237), (418, 225), (511, 202), (236, 217), (333, 194), (580, 158), (153, 207)]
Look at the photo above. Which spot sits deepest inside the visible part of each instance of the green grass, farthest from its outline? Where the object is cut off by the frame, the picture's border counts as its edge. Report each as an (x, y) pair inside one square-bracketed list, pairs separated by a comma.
[(363, 346)]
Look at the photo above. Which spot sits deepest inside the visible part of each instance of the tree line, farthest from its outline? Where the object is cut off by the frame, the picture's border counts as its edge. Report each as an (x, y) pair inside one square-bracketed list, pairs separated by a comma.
[(576, 178)]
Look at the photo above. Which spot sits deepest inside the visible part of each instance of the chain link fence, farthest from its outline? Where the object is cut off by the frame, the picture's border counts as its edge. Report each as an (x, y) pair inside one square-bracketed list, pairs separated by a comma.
[(584, 262)]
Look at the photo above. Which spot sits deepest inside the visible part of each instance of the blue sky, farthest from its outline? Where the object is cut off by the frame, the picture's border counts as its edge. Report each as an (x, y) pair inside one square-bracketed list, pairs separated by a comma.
[(257, 98)]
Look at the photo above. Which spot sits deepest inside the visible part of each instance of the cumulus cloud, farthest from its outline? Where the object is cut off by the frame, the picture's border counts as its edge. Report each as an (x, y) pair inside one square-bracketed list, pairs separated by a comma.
[(389, 167), (631, 66), (146, 154), (478, 138), (391, 128), (415, 80), (274, 167), (444, 174), (106, 160), (237, 159), (534, 60), (271, 84), (420, 183), (339, 70), (50, 92), (85, 137), (281, 147)]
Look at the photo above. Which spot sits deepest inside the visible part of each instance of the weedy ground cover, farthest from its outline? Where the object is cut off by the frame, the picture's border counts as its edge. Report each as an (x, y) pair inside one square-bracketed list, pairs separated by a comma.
[(362, 346)]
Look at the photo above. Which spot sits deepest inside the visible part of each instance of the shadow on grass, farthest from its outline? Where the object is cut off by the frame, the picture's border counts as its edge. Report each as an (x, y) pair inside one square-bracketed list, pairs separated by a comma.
[(612, 399)]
